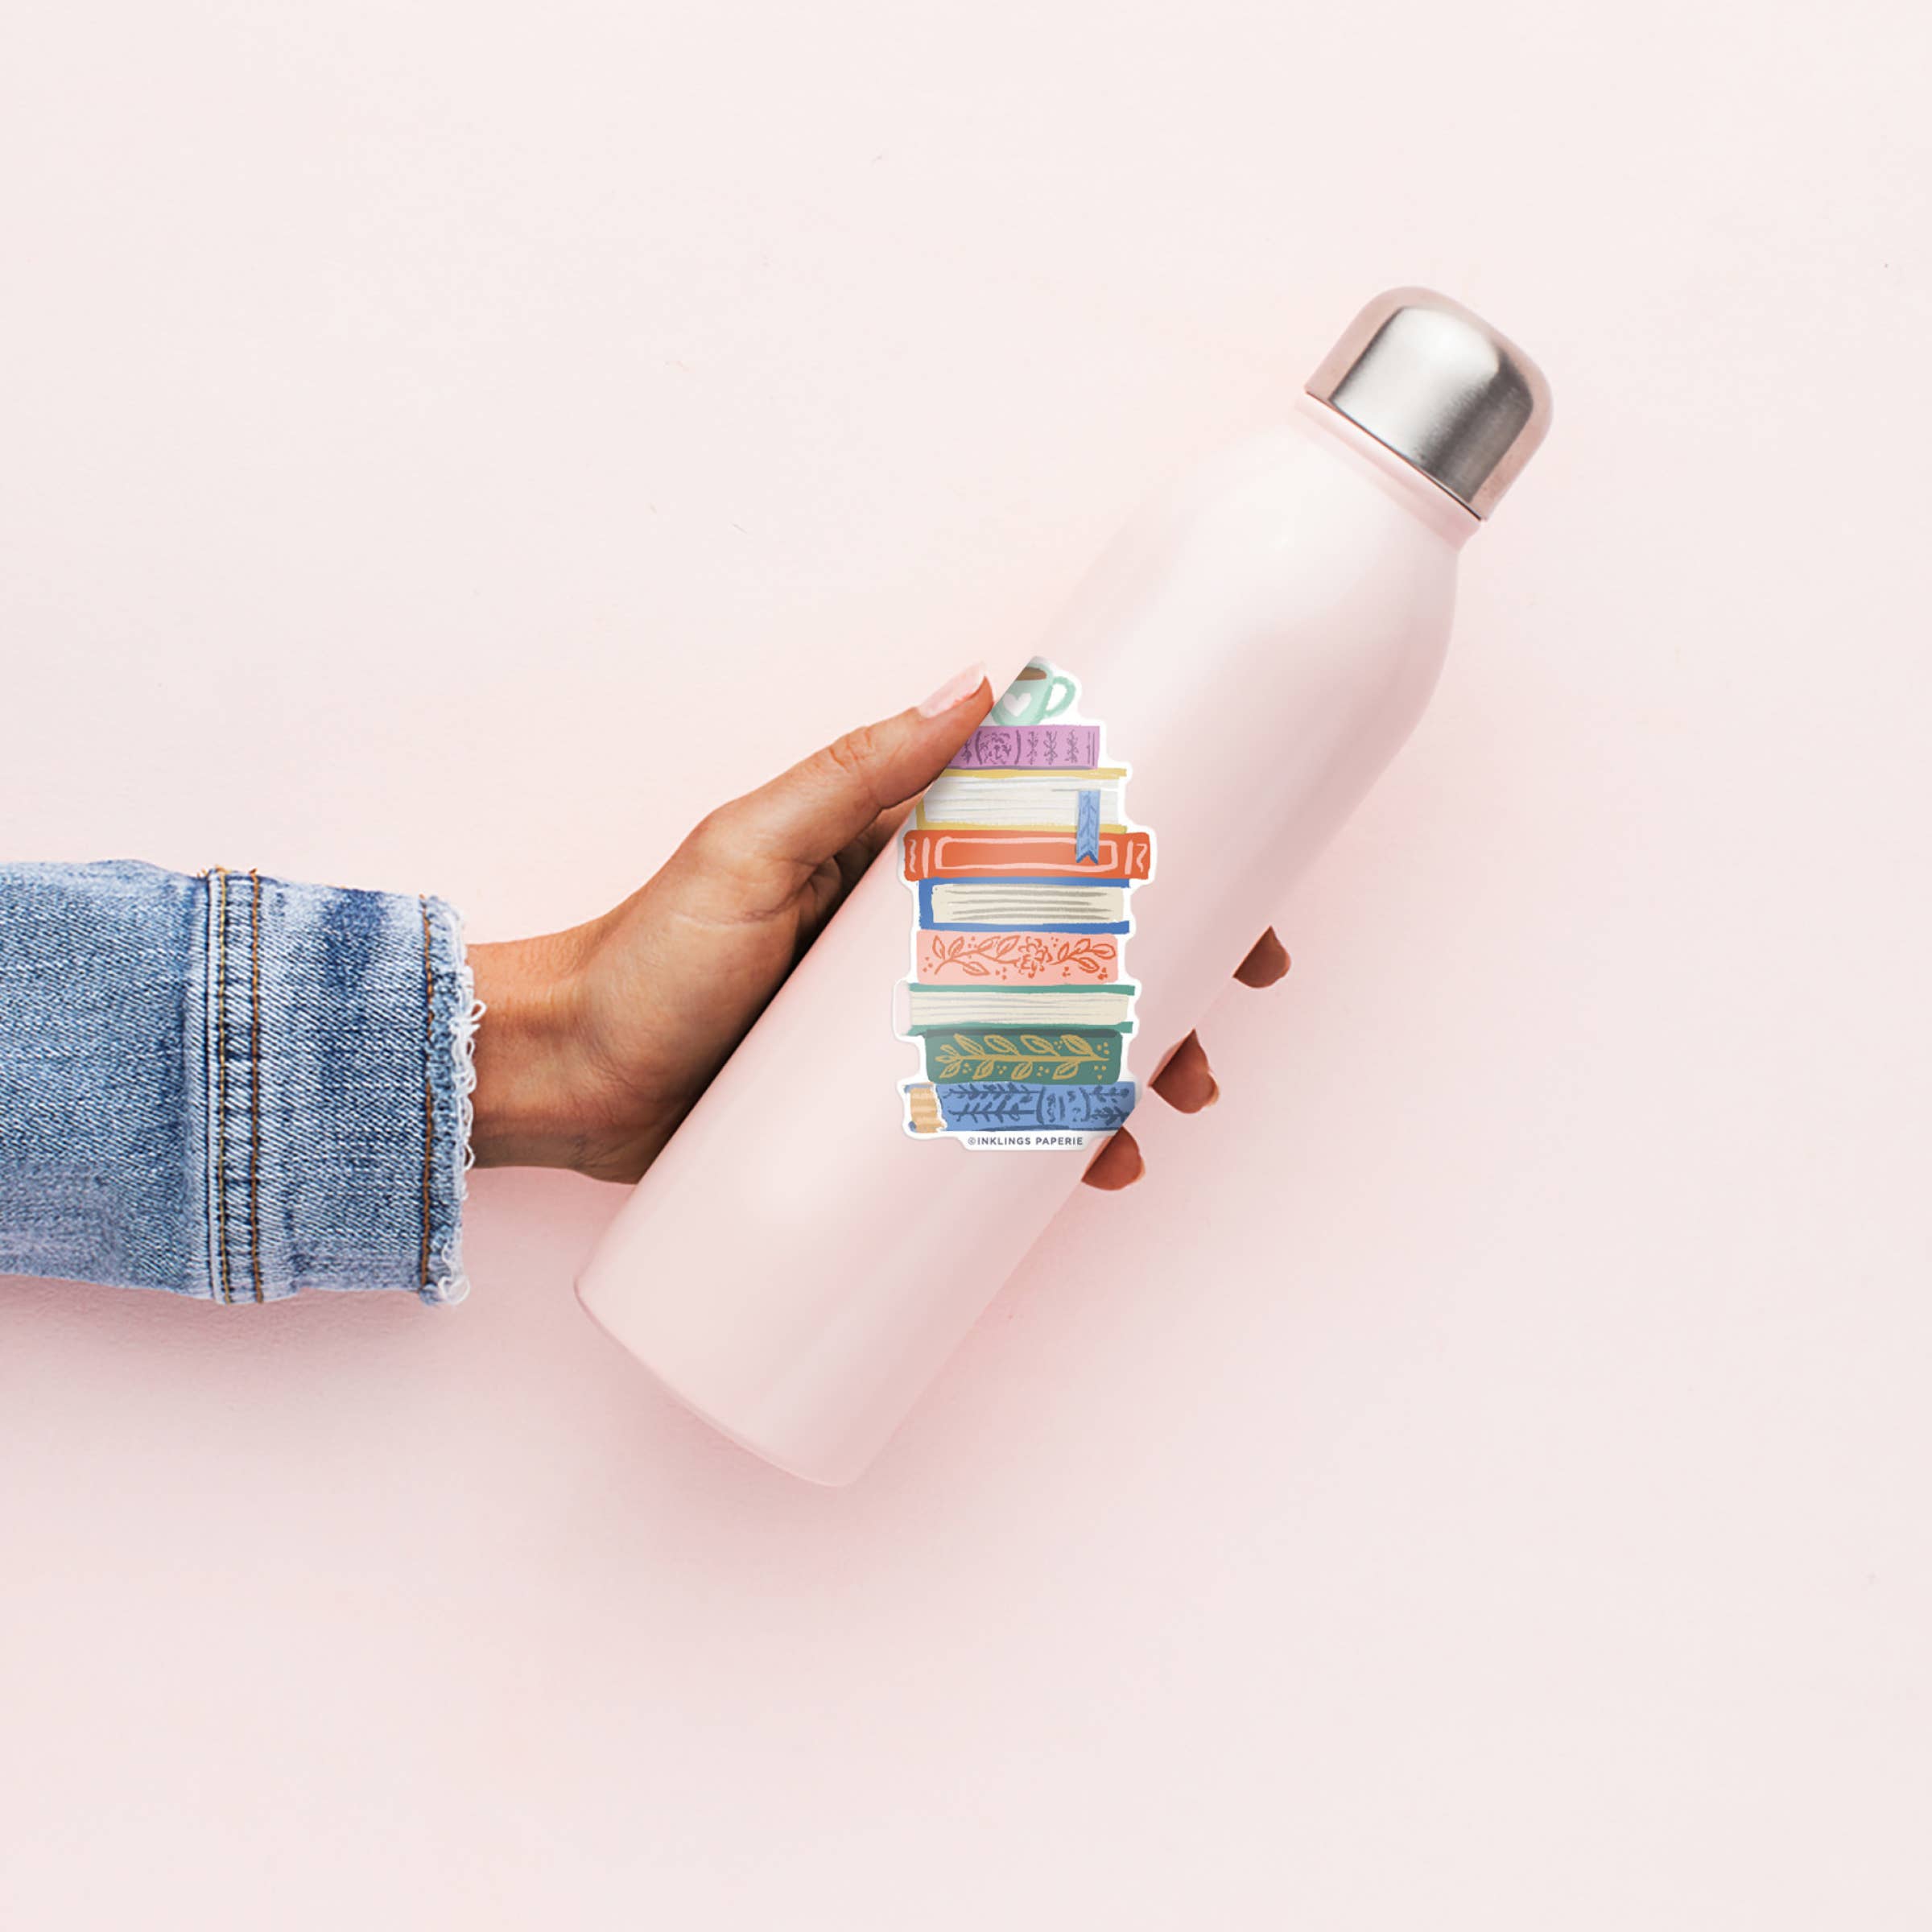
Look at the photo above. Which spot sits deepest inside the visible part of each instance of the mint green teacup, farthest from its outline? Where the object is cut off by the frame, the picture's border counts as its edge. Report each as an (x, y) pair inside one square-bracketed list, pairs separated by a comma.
[(1038, 693)]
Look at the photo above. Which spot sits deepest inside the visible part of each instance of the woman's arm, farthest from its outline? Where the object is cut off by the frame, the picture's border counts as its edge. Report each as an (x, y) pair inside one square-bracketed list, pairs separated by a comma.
[(599, 1039), (235, 1088)]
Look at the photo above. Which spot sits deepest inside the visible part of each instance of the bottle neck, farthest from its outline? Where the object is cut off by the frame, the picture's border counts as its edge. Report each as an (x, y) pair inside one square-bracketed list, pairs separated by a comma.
[(1449, 520)]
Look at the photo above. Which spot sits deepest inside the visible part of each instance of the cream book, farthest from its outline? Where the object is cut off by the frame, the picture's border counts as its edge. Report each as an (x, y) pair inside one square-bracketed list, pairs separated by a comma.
[(1016, 801), (984, 1006)]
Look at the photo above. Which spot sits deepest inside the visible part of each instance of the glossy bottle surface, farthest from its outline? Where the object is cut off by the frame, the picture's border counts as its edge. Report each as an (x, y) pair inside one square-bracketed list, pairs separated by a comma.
[(795, 1266)]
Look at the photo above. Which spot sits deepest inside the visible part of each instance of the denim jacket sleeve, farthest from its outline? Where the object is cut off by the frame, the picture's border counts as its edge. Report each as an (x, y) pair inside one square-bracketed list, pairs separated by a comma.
[(230, 1087)]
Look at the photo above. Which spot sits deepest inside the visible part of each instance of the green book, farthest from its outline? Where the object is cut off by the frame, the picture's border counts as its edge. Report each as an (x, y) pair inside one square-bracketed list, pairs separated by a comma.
[(1090, 1057)]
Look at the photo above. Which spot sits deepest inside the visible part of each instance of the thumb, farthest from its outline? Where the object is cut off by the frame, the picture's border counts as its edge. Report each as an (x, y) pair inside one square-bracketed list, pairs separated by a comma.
[(809, 814)]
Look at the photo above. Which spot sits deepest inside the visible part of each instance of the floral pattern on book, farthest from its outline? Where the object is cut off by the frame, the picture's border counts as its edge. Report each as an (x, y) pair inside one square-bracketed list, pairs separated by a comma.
[(1034, 954)]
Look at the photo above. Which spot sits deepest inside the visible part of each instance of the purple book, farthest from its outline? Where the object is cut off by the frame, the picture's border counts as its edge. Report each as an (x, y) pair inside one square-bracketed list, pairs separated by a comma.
[(1031, 748)]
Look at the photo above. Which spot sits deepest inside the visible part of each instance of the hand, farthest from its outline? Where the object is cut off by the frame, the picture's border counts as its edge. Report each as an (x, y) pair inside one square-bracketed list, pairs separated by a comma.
[(598, 1040)]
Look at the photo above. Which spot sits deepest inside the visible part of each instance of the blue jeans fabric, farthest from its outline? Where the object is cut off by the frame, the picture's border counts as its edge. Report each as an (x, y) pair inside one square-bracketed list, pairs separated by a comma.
[(230, 1087)]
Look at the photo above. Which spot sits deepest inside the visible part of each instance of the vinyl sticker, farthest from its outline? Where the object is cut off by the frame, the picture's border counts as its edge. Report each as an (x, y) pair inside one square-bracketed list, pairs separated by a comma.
[(1022, 863)]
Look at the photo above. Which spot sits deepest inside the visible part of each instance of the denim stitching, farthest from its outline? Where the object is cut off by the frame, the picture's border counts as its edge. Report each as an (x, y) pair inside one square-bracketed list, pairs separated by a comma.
[(221, 1083), (254, 1084), (206, 878), (429, 1092)]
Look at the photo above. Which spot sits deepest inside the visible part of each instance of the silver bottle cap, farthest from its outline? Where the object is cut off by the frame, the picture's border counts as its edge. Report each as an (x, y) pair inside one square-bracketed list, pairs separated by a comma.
[(1442, 389)]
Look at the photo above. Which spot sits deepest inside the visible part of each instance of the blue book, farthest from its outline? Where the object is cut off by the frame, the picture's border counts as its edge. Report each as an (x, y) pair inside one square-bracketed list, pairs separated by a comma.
[(1018, 1107)]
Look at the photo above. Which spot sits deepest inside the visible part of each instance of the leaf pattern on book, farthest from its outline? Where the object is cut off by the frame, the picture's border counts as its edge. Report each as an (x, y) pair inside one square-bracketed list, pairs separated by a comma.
[(994, 1056), (1085, 1110)]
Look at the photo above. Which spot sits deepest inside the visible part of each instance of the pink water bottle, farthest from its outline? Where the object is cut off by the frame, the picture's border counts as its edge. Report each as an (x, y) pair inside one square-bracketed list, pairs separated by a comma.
[(1066, 900)]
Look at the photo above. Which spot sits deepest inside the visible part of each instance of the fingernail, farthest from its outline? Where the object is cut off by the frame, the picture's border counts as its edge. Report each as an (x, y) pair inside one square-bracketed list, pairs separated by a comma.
[(1214, 1092), (954, 690)]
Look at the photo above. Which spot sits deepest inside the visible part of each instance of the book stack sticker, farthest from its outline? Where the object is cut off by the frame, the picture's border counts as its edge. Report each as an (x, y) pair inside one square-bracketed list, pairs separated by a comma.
[(1022, 861)]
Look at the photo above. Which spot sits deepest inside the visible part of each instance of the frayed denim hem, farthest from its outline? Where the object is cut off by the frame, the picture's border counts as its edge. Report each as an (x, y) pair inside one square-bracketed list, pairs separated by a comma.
[(454, 1013), (340, 1030)]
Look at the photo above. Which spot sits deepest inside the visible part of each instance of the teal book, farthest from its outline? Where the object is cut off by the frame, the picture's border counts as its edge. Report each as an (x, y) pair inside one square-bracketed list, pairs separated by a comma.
[(1090, 1058)]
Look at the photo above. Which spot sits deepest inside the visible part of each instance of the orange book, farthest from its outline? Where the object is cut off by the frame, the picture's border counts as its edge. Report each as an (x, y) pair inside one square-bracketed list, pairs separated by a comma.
[(931, 854)]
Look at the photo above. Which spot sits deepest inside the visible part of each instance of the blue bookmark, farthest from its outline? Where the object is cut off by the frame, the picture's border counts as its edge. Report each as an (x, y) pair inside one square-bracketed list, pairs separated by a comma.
[(1087, 836)]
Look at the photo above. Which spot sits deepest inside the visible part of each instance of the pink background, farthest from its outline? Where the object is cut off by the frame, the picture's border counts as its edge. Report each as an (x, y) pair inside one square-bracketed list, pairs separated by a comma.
[(1483, 1476)]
